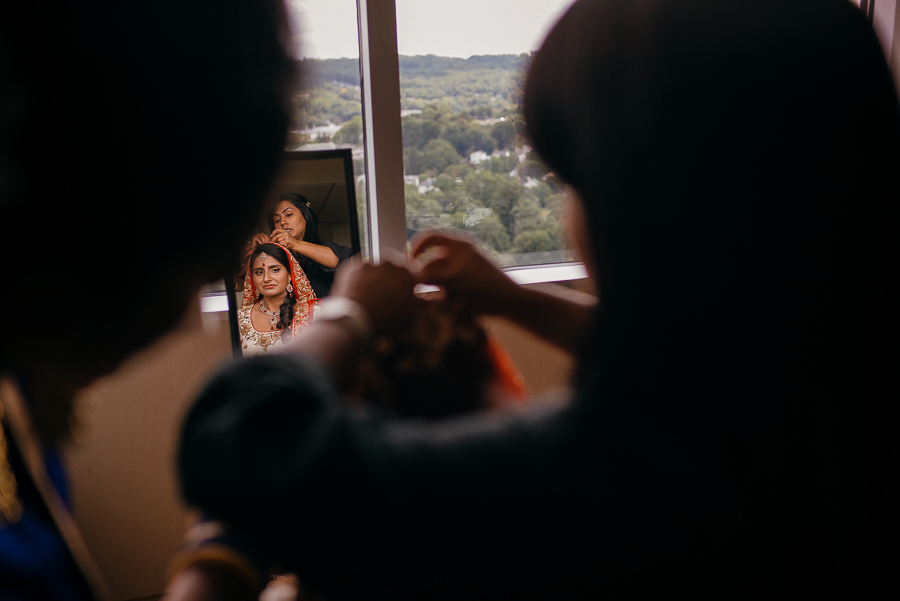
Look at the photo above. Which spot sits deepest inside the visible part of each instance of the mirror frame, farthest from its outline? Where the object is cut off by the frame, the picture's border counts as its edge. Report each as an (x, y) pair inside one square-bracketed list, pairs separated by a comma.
[(346, 155)]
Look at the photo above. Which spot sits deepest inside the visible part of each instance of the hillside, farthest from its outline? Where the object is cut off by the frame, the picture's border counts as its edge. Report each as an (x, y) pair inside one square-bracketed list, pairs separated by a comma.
[(330, 87), (466, 164)]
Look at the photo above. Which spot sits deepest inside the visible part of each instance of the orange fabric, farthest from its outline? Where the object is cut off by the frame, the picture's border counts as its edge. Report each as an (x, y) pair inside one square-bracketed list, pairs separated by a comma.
[(508, 375)]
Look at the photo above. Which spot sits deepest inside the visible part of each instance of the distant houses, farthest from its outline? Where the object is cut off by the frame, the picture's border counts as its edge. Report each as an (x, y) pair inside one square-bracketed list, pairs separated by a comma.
[(314, 132), (423, 186), (426, 185), (478, 156)]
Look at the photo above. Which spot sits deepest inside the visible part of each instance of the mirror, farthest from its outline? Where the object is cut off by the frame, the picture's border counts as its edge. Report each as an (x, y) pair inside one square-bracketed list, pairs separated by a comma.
[(308, 227)]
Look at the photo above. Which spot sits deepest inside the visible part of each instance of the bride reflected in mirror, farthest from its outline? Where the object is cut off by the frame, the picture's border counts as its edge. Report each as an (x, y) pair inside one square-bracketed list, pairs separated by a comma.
[(295, 226), (277, 302)]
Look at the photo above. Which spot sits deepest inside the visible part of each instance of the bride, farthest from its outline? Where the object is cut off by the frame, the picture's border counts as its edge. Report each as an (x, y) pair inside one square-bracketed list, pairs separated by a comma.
[(277, 300)]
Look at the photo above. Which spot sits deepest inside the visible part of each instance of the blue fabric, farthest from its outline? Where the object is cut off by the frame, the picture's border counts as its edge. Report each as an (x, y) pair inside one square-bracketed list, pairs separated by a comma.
[(35, 563)]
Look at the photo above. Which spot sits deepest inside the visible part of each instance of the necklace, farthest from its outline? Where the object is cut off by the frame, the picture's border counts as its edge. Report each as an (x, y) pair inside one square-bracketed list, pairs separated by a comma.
[(273, 317)]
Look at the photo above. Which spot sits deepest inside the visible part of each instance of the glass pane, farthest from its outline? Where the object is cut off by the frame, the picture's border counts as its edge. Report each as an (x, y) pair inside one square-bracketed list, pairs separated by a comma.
[(466, 163), (327, 102)]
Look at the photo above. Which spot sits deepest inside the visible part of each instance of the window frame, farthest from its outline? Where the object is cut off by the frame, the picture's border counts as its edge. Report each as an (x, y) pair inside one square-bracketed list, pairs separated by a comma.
[(379, 61)]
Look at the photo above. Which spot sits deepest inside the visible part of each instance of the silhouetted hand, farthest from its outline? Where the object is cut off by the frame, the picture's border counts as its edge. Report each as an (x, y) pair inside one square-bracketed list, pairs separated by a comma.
[(456, 265), (385, 292)]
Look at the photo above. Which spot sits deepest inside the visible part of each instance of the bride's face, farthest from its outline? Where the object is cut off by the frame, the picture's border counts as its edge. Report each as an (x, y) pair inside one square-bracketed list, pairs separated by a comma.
[(269, 276)]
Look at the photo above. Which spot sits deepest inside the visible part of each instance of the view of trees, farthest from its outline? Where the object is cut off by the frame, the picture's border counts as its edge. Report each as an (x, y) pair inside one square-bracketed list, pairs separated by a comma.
[(466, 162)]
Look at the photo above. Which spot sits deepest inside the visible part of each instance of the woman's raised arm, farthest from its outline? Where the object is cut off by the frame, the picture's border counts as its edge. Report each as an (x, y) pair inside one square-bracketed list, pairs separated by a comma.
[(561, 317), (317, 252)]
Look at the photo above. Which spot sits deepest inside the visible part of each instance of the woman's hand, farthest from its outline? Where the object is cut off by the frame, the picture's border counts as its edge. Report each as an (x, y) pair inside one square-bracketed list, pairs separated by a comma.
[(283, 238), (385, 291), (254, 242), (245, 260), (320, 254), (456, 265), (560, 316)]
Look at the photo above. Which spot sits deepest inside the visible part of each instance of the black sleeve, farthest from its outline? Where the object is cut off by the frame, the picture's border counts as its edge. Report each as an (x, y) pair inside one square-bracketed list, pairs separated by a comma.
[(364, 507), (343, 253)]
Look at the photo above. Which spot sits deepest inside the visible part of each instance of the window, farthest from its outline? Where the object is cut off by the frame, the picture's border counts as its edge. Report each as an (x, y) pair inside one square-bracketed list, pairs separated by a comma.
[(455, 117), (467, 165), (327, 102), (441, 133)]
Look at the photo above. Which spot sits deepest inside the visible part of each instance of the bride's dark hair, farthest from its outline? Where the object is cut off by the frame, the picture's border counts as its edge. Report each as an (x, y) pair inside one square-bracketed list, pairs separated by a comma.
[(286, 311)]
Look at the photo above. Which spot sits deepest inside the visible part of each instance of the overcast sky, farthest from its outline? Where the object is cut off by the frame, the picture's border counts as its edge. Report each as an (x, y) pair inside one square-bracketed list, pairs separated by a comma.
[(327, 28)]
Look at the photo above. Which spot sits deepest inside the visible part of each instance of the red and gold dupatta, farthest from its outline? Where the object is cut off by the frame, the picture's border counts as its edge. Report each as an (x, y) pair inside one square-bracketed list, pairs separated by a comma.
[(304, 296)]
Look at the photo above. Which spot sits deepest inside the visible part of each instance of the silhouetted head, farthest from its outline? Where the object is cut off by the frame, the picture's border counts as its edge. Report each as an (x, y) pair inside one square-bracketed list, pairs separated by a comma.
[(142, 113), (737, 164), (733, 158)]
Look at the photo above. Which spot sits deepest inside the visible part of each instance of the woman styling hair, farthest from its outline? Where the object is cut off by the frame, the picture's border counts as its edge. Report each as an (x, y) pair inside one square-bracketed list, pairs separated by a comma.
[(295, 226), (277, 298), (731, 432)]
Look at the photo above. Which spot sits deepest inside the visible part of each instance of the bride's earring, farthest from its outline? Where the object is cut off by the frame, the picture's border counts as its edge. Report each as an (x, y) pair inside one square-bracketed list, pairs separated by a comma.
[(290, 288)]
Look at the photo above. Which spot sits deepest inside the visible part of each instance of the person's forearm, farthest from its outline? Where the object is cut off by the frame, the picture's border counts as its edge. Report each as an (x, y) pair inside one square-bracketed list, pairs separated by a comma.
[(318, 253), (383, 295), (558, 315), (328, 343), (209, 583)]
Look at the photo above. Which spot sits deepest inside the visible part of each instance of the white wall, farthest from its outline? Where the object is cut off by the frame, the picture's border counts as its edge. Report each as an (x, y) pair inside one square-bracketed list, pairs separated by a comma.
[(122, 472)]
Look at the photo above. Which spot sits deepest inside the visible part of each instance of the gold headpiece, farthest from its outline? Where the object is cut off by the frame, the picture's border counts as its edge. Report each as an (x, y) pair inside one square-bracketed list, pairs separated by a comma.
[(263, 256)]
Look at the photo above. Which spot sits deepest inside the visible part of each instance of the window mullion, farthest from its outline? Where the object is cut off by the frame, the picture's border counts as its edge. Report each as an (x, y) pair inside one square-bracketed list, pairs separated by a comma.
[(380, 70)]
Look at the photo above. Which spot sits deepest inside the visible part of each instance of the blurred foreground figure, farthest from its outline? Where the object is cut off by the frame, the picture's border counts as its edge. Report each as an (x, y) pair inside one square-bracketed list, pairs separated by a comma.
[(732, 431), (118, 121)]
